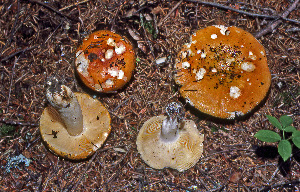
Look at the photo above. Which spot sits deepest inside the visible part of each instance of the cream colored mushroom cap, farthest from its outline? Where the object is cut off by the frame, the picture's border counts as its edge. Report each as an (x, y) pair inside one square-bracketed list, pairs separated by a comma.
[(181, 154), (96, 128)]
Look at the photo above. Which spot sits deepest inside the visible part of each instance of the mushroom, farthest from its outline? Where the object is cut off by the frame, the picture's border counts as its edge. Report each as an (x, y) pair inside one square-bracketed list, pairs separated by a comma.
[(170, 141), (223, 71), (105, 61), (75, 125)]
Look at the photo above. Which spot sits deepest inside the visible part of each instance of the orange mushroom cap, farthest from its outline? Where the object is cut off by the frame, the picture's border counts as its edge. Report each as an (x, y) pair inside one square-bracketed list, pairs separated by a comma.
[(223, 71), (105, 61)]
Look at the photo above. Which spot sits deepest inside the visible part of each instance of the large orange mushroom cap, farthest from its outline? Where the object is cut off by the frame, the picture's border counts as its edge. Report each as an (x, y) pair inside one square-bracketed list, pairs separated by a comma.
[(105, 61), (223, 71)]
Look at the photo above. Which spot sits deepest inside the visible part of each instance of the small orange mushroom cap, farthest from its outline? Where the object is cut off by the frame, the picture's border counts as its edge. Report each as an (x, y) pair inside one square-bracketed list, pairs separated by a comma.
[(223, 71), (105, 61)]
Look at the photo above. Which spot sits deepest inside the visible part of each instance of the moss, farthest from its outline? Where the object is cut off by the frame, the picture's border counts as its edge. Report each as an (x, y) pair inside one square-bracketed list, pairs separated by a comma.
[(7, 130)]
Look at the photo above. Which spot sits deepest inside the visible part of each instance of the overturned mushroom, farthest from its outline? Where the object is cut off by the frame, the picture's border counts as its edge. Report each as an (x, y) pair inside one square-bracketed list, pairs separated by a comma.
[(75, 125), (170, 141), (223, 71), (105, 61)]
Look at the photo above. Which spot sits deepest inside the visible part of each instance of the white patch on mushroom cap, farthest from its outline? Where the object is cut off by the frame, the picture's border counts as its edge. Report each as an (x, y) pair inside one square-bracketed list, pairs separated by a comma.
[(109, 83), (235, 92), (121, 49), (200, 74), (229, 60), (121, 74), (82, 63), (203, 54), (98, 87), (185, 65), (222, 28), (113, 72), (262, 52), (248, 66), (214, 70), (194, 42), (214, 36), (111, 42), (188, 45), (109, 54), (252, 56)]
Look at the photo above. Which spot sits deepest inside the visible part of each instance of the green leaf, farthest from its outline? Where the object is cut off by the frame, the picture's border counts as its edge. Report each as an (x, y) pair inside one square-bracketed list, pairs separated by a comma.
[(267, 136), (285, 120), (274, 122), (290, 129), (296, 138), (285, 149)]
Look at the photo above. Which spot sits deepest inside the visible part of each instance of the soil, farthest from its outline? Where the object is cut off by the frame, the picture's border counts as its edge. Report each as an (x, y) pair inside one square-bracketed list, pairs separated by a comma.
[(38, 39)]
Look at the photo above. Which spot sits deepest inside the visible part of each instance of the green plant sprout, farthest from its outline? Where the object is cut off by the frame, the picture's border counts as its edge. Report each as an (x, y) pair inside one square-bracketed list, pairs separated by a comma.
[(285, 125)]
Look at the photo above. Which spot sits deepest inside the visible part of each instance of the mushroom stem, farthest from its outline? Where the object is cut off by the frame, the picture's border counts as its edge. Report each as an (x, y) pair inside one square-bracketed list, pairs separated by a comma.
[(170, 126), (169, 129), (66, 104)]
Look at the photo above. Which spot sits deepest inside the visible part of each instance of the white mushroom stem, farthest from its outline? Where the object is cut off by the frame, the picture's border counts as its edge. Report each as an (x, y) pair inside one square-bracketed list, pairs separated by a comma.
[(169, 130), (170, 126), (65, 102)]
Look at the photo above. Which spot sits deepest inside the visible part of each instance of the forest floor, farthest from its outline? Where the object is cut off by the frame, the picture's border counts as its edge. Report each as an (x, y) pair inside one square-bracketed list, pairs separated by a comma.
[(38, 39)]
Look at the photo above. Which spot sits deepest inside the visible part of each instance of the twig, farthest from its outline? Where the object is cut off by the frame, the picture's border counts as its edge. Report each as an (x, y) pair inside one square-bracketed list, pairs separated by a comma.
[(168, 15), (124, 102), (75, 4), (272, 25), (84, 172), (147, 39), (11, 81), (54, 10), (290, 184), (18, 52), (16, 122), (13, 29), (242, 12)]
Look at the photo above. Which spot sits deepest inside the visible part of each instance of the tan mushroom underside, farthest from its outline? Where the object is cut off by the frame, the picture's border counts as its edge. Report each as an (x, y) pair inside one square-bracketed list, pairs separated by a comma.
[(180, 155), (96, 128), (223, 71)]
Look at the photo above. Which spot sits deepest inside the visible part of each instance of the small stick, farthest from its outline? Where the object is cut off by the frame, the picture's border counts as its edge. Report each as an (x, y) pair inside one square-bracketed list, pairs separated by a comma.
[(243, 12), (272, 25), (17, 122), (168, 15), (18, 52), (54, 10), (13, 29), (11, 81), (75, 4)]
